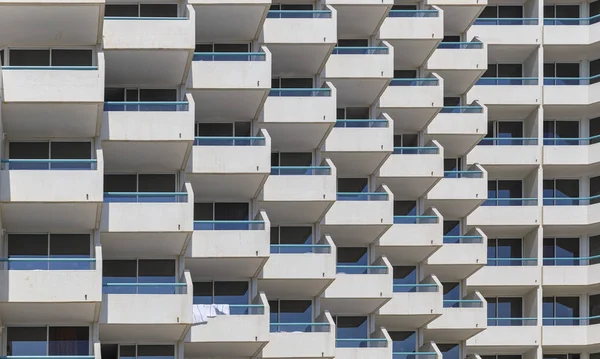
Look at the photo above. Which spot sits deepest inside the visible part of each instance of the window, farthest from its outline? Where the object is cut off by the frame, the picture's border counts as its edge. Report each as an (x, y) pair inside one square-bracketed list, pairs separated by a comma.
[(137, 351), (558, 192), (406, 140), (452, 295), (112, 94), (291, 311), (404, 279), (501, 250), (452, 232), (221, 211), (561, 251), (405, 74), (353, 42), (449, 351), (560, 311), (222, 47), (508, 133), (140, 10), (493, 12), (594, 308), (236, 129), (501, 308), (500, 192), (561, 12), (44, 150), (291, 7), (294, 239), (51, 340), (505, 70), (594, 249), (294, 82), (291, 159), (231, 292), (160, 271), (353, 113), (562, 356), (594, 130), (451, 38), (405, 208), (353, 185), (452, 164), (351, 328), (51, 57), (50, 246), (140, 183), (560, 70), (352, 260), (451, 101), (558, 133), (404, 7), (403, 342)]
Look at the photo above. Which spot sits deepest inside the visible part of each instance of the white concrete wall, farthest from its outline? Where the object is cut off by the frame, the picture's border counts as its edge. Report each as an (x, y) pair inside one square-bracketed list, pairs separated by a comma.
[(317, 109), (358, 139), (378, 66), (421, 234), (361, 212), (458, 59), (417, 28), (458, 123), (301, 31), (413, 96), (362, 285), (507, 34), (301, 188)]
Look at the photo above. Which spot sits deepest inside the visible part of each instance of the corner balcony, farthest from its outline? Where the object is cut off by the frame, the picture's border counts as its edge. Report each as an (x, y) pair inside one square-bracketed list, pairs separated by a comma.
[(230, 85), (309, 113), (571, 214), (459, 15), (412, 239), (133, 312), (412, 171), (522, 94), (300, 40), (51, 22), (359, 147), (242, 333), (39, 195), (236, 249), (513, 276), (416, 32), (459, 63), (582, 151), (570, 332), (573, 91), (163, 45), (520, 334), (359, 289), (296, 270), (414, 101), (571, 31), (230, 167), (459, 257), (360, 74), (412, 305), (50, 290), (520, 154), (148, 135), (458, 128), (378, 345), (360, 18), (571, 273), (459, 192), (497, 214), (305, 340), (52, 101), (148, 221), (507, 31), (299, 194), (460, 320), (359, 218)]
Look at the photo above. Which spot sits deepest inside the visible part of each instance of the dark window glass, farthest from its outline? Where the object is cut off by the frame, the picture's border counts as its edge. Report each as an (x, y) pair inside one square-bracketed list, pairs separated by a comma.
[(595, 249), (451, 228), (26, 341), (451, 101), (160, 351), (72, 57), (351, 327), (71, 150), (243, 129), (214, 129), (296, 82), (451, 38), (594, 308), (28, 246), (156, 183), (594, 8), (204, 48), (450, 351), (114, 94), (510, 70), (492, 70), (120, 183), (510, 129), (404, 7), (567, 70), (156, 271), (203, 211), (68, 340), (231, 47), (550, 70), (70, 246), (121, 10), (158, 95), (296, 6), (158, 10), (231, 293), (405, 208), (30, 57), (203, 293), (451, 293), (404, 341), (231, 211), (567, 11), (515, 12), (347, 257), (357, 113), (489, 12), (29, 150), (595, 129), (405, 74), (549, 12), (294, 159), (295, 235), (352, 42), (352, 184)]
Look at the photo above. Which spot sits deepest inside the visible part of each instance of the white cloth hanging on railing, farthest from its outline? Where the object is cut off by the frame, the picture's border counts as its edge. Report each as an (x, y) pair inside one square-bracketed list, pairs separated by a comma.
[(201, 312)]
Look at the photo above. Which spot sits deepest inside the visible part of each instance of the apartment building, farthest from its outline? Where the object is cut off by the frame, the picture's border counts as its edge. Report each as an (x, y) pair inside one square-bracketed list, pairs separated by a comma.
[(350, 179)]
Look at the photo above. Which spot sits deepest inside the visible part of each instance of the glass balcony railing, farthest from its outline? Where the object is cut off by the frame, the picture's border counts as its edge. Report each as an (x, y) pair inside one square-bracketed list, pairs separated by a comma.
[(143, 288), (460, 45), (360, 342), (229, 56), (506, 81), (228, 141), (508, 141), (462, 239), (300, 248), (511, 322), (362, 196), (422, 219), (360, 50), (299, 14), (506, 21), (145, 197), (146, 106), (511, 262), (571, 201), (428, 150), (415, 288), (463, 303), (462, 109), (229, 225), (49, 164), (571, 81), (572, 21), (571, 261), (361, 269), (510, 202), (565, 141), (72, 68), (414, 13), (361, 123), (300, 170), (300, 92), (571, 321), (146, 18), (299, 327), (414, 355), (22, 262), (463, 174), (426, 81)]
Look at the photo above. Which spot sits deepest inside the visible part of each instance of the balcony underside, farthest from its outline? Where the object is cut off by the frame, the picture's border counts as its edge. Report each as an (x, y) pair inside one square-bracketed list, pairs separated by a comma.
[(225, 267), (414, 51), (450, 335), (353, 305), (234, 21), (458, 17), (456, 144), (44, 217), (358, 91), (293, 288), (352, 235), (448, 272), (408, 187), (144, 243), (211, 187), (404, 321), (162, 68), (142, 332), (283, 211), (217, 105), (223, 349), (154, 156), (49, 312), (359, 21), (299, 58), (356, 164), (409, 119), (457, 82), (405, 254), (454, 207), (307, 136)]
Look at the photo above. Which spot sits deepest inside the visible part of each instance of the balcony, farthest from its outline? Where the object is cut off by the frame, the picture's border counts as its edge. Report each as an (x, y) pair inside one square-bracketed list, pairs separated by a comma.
[(359, 147), (520, 214), (230, 85), (515, 276), (459, 257), (236, 249), (459, 192), (164, 45), (412, 239), (459, 15), (570, 332), (359, 218), (571, 151), (412, 305), (377, 346), (518, 333), (507, 31), (416, 32), (412, 171), (359, 289), (230, 167), (296, 194), (571, 213), (360, 74), (300, 41), (55, 101), (570, 272), (38, 195), (161, 313), (242, 333), (415, 101), (51, 289), (308, 113), (573, 91), (306, 340), (523, 154), (459, 63), (571, 31), (458, 128), (297, 270), (460, 320), (523, 94), (153, 222), (50, 22)]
